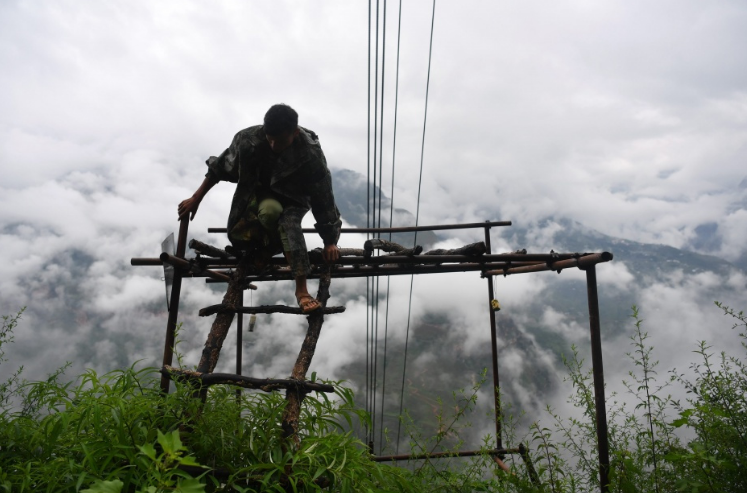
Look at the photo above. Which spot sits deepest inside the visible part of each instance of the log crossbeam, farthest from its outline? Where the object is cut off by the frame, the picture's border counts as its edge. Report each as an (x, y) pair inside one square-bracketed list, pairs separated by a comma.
[(209, 250), (221, 308), (265, 384), (389, 246)]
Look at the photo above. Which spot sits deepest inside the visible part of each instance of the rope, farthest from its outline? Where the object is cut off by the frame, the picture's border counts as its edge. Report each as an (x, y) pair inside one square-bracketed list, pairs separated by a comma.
[(417, 217)]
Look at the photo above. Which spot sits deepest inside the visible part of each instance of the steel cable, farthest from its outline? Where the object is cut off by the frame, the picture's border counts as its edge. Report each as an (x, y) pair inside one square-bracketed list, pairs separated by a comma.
[(368, 211), (378, 121), (417, 217), (391, 218)]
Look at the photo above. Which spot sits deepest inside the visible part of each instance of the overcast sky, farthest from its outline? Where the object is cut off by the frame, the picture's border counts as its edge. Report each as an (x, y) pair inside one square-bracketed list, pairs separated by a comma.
[(627, 116)]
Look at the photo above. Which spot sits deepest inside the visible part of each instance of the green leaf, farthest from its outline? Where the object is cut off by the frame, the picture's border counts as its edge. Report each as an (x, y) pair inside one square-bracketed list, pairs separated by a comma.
[(188, 461), (105, 487), (148, 450), (320, 470), (683, 420), (80, 480), (170, 442), (190, 486)]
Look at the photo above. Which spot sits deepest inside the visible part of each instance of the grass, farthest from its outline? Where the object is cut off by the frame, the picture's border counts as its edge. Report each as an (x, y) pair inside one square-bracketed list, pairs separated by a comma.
[(117, 433)]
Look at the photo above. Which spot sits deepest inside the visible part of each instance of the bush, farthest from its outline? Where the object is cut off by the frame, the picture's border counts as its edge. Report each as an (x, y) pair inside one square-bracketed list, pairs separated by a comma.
[(117, 432), (715, 460)]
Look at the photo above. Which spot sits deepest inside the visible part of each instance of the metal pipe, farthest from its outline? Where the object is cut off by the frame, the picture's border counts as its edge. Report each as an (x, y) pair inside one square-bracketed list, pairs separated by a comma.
[(444, 259), (386, 265), (138, 261), (598, 372), (176, 287), (239, 341), (583, 262), (494, 352), (593, 259), (405, 229), (493, 268), (368, 271), (439, 455), (515, 258)]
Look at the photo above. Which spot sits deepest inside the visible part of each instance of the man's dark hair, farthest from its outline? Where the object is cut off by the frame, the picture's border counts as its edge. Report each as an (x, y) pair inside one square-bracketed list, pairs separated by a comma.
[(280, 119)]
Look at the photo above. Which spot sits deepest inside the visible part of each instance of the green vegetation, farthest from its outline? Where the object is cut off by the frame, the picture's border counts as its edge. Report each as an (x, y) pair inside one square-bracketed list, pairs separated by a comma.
[(117, 433)]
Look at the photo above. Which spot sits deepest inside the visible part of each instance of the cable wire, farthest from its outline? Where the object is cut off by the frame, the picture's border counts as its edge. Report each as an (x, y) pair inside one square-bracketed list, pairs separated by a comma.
[(378, 120), (417, 217), (368, 208), (391, 218)]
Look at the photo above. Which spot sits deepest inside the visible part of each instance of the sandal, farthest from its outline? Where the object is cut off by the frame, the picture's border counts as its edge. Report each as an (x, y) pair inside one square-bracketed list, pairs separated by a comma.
[(308, 303)]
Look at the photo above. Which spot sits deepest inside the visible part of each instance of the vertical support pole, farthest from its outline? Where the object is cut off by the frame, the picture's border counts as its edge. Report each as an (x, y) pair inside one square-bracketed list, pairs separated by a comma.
[(239, 341), (598, 371), (494, 352), (176, 287)]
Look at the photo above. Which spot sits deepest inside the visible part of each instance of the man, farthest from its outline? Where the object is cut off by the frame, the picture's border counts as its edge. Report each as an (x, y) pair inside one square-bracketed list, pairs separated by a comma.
[(280, 174)]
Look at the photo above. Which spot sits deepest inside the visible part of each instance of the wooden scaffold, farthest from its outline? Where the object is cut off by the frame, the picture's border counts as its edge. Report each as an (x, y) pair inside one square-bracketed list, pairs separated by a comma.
[(217, 265)]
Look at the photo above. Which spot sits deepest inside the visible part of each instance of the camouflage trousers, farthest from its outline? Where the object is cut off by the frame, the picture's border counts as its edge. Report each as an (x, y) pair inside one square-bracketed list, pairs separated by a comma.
[(268, 228)]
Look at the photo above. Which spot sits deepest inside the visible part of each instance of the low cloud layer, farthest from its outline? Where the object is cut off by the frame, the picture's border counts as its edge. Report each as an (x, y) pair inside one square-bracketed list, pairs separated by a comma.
[(627, 117)]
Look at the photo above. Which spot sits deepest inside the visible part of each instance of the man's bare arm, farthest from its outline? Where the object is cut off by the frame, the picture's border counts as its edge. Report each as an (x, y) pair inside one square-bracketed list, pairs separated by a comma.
[(190, 205)]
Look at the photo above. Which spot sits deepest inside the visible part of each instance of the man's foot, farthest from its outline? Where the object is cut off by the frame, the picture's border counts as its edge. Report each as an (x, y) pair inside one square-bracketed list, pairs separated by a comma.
[(308, 303)]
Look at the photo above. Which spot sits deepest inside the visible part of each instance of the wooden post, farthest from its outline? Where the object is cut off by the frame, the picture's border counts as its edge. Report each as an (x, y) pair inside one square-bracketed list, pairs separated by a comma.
[(176, 287), (223, 320), (294, 397)]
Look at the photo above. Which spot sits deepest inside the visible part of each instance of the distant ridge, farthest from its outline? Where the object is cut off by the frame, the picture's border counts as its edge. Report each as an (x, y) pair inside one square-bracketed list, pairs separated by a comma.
[(350, 195)]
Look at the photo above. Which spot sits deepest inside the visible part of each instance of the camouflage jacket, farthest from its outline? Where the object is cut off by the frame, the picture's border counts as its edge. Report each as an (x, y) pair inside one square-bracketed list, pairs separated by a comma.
[(299, 174)]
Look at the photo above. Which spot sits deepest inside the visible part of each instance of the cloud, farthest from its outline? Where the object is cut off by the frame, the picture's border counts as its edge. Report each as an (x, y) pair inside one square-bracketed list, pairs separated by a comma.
[(627, 117), (610, 108)]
